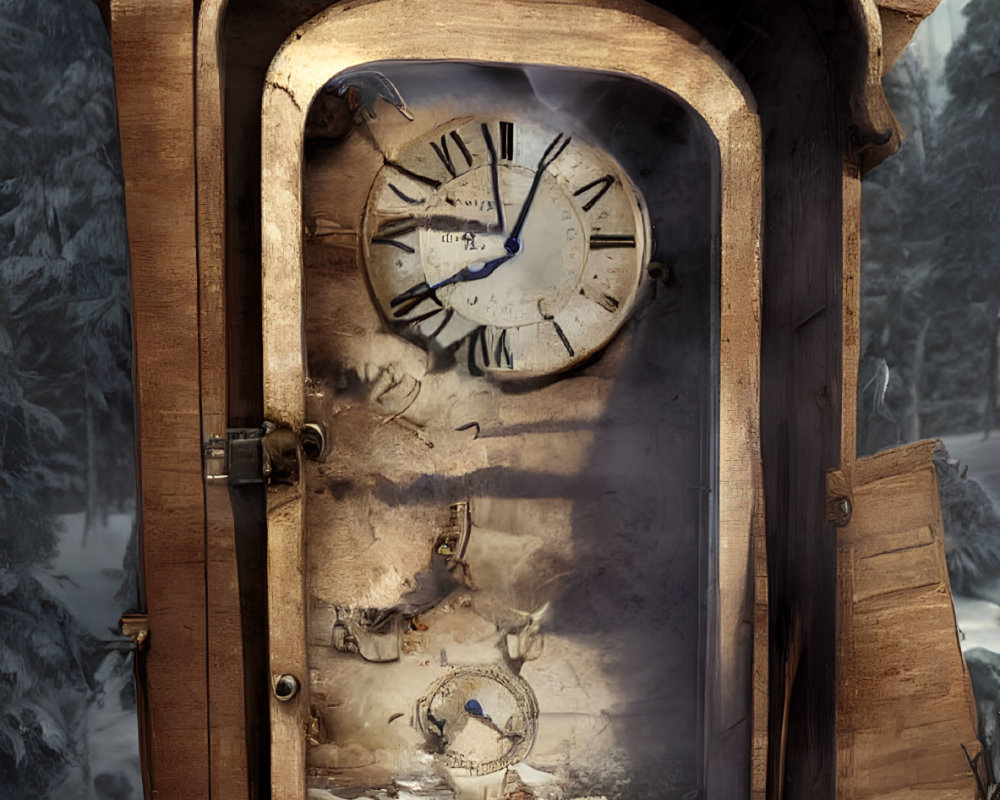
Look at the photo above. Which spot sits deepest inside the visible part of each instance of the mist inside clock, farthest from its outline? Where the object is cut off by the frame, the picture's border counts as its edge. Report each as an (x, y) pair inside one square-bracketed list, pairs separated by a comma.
[(548, 531)]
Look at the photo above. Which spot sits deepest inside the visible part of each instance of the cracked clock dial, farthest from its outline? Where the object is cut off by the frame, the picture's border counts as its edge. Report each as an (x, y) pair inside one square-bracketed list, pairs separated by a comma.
[(480, 719), (521, 243)]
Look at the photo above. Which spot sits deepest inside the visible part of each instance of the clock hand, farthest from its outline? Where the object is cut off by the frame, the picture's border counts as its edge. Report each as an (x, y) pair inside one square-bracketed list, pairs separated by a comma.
[(473, 272), (404, 302), (476, 272), (494, 174), (513, 243)]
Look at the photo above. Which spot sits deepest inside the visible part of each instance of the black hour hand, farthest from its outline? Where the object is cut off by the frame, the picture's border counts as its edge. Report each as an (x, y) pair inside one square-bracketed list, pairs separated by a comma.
[(404, 302)]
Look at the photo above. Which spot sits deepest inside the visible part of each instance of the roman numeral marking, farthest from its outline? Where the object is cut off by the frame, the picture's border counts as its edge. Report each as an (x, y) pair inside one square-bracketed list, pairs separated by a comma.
[(605, 301), (416, 176), (599, 241), (423, 317), (403, 196), (507, 140), (393, 243), (457, 139), (387, 233), (559, 331), (502, 354), (404, 302), (442, 152), (604, 183), (447, 318), (477, 341), (563, 339)]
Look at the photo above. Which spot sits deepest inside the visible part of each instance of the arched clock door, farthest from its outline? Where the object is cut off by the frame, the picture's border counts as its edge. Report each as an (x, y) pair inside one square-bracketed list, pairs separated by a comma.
[(510, 291)]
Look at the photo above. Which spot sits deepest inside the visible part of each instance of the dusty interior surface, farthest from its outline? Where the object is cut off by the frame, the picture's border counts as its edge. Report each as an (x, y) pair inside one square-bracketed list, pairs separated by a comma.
[(506, 576)]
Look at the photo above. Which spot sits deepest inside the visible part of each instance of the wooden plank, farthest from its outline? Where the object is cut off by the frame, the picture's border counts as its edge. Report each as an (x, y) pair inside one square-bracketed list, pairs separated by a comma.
[(227, 702), (851, 315), (800, 387), (154, 57), (761, 652), (905, 704), (252, 32)]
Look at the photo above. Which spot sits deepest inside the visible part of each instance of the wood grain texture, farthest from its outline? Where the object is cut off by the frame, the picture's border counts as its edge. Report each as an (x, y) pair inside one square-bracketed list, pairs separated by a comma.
[(900, 19), (886, 27), (876, 131), (851, 311), (564, 34), (761, 652), (800, 388), (251, 32), (227, 704), (920, 9), (905, 704), (154, 58)]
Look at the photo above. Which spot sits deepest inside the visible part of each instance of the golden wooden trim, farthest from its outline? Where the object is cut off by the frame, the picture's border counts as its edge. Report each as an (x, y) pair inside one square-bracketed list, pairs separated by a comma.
[(900, 19), (850, 310), (228, 765), (628, 38), (210, 172), (761, 649)]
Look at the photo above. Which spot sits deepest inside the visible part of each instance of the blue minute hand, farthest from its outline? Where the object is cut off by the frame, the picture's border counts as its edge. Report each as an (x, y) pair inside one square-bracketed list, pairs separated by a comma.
[(513, 243), (473, 272), (476, 272)]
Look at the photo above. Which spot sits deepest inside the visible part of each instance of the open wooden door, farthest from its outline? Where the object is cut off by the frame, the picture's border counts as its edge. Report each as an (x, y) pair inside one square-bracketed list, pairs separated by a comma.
[(906, 717)]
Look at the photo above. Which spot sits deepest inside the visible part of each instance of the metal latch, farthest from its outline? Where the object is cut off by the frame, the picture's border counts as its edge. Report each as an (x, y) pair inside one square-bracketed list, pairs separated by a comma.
[(136, 628), (256, 455), (236, 458)]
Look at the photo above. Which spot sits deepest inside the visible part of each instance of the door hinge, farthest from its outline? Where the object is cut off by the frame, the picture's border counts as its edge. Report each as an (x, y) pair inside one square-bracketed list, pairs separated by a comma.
[(259, 455), (236, 458)]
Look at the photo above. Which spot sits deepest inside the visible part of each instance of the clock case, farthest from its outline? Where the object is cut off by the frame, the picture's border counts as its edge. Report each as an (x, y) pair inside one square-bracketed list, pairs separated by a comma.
[(193, 188), (299, 71), (590, 494)]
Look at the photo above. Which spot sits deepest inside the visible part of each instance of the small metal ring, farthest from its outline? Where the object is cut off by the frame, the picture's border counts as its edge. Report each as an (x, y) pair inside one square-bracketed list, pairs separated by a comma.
[(313, 440), (285, 687)]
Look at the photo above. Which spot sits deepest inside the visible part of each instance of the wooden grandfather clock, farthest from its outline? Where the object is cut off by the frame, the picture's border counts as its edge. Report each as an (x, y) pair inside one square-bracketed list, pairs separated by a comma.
[(524, 555), (492, 363)]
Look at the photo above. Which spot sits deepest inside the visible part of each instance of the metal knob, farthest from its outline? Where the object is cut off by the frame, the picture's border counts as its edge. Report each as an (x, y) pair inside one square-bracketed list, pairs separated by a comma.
[(286, 687), (313, 440)]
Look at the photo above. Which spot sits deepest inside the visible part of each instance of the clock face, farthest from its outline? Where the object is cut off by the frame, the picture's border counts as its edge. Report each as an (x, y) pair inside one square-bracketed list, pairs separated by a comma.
[(481, 719), (523, 241)]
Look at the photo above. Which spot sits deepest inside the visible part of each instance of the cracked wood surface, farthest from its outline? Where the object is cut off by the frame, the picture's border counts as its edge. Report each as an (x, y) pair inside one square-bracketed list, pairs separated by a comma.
[(904, 702)]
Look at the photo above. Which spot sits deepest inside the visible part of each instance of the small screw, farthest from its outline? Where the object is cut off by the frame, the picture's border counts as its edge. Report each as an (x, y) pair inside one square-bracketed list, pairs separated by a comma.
[(313, 441), (840, 511), (286, 687), (659, 270)]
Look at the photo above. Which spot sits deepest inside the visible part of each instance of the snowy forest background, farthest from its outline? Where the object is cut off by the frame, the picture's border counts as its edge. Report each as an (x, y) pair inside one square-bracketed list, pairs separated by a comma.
[(930, 307), (68, 564)]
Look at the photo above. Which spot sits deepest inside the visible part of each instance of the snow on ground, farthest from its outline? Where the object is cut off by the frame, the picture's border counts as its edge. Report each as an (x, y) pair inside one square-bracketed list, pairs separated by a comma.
[(86, 576), (982, 456), (978, 620)]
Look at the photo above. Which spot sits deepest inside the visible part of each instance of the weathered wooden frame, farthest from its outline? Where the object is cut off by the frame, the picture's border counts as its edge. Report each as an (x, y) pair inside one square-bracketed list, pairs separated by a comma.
[(626, 37)]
